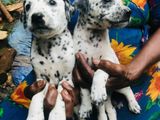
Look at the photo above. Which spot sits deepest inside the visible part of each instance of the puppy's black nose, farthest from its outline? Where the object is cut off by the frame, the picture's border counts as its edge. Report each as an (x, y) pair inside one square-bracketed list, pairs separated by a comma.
[(128, 13), (37, 19)]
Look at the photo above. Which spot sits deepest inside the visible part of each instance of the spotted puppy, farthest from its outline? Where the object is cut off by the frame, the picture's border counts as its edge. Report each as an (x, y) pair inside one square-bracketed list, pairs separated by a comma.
[(52, 52), (91, 38)]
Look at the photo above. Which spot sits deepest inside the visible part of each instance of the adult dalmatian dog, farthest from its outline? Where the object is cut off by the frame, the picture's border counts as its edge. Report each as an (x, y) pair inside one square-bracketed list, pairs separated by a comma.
[(91, 38), (52, 52)]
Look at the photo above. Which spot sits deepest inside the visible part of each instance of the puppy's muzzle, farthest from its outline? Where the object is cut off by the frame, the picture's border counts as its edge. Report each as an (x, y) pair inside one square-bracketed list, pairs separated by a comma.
[(37, 20), (127, 14)]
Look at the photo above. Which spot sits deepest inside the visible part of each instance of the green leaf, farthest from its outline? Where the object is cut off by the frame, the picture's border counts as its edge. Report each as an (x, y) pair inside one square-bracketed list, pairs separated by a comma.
[(126, 2), (135, 21), (158, 102), (155, 116), (1, 112), (150, 104)]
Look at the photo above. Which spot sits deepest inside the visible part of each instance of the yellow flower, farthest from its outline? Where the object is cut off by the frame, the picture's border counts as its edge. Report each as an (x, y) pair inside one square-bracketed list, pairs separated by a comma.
[(140, 3), (19, 97), (123, 52), (154, 88), (152, 69)]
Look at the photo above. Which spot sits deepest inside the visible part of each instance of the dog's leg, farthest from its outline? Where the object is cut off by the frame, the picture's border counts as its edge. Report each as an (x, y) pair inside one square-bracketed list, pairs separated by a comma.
[(36, 106), (102, 115), (58, 112), (111, 111), (98, 88), (86, 106), (132, 103)]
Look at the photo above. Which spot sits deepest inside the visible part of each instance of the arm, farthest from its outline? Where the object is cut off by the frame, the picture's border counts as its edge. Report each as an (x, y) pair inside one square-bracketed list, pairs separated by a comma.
[(149, 55)]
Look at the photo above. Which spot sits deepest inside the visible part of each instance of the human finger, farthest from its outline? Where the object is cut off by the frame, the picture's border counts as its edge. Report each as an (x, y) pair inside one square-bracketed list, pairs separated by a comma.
[(50, 100), (78, 80), (84, 68), (35, 88)]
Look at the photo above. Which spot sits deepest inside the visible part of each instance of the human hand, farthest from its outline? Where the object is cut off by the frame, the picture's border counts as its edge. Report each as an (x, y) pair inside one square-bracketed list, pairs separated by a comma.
[(50, 100), (70, 96), (111, 68), (82, 72), (35, 88), (120, 74), (129, 72)]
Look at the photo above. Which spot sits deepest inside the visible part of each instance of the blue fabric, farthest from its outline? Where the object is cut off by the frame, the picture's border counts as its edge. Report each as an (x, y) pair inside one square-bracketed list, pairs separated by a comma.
[(124, 113), (131, 36), (13, 111), (73, 21), (135, 35), (20, 40), (139, 15)]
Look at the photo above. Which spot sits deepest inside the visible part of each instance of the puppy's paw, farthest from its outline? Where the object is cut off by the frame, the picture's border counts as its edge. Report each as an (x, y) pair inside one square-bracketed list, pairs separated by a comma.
[(85, 111), (134, 107), (98, 95), (58, 112), (98, 89)]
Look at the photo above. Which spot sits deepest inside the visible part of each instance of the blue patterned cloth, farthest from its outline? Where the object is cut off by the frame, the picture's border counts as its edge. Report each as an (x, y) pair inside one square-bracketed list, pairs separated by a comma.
[(134, 35), (20, 40)]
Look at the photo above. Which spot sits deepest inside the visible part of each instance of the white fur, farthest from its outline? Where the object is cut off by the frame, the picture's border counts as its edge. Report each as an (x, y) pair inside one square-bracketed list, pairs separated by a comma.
[(91, 38), (52, 53), (50, 13)]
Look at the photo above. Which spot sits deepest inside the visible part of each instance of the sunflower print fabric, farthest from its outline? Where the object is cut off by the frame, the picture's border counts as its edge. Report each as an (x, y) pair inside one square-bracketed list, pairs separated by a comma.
[(19, 97), (147, 91), (123, 52), (127, 42), (140, 13)]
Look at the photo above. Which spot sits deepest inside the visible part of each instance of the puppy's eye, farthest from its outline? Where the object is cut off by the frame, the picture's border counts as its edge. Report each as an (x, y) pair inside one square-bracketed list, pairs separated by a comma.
[(52, 2), (28, 7)]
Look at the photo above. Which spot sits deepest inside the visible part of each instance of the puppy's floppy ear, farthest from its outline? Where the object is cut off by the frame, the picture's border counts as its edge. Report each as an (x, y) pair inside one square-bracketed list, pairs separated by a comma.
[(82, 5), (23, 15), (69, 9)]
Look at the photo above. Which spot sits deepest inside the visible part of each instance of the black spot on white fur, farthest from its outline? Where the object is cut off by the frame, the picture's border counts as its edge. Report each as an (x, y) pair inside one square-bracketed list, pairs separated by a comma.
[(52, 50), (41, 62), (45, 77), (57, 74)]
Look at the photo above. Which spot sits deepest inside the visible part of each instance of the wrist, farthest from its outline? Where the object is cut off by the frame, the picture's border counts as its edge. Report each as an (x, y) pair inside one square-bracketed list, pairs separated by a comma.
[(133, 71)]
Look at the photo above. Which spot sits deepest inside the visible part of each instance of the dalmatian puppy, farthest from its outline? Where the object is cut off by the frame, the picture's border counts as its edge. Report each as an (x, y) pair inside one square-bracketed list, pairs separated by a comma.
[(91, 38), (52, 52)]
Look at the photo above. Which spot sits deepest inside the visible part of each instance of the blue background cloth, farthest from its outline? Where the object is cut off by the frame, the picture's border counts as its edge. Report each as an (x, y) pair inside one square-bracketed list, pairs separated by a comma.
[(20, 39)]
